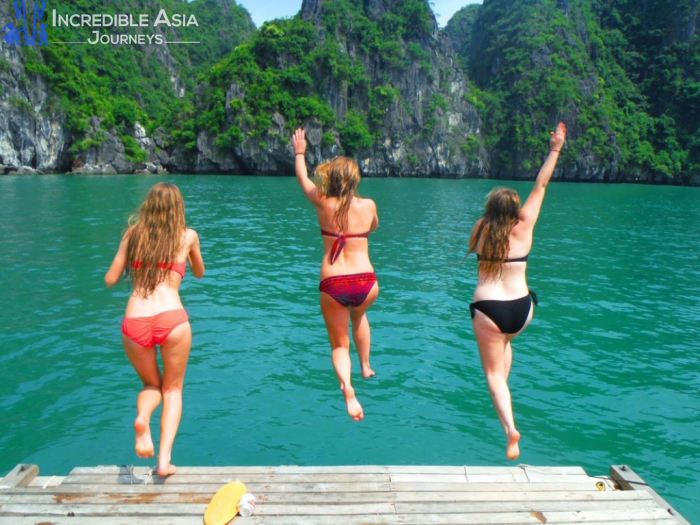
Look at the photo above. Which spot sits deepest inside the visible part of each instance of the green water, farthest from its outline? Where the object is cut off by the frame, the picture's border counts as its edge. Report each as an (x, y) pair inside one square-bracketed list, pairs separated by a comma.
[(607, 373)]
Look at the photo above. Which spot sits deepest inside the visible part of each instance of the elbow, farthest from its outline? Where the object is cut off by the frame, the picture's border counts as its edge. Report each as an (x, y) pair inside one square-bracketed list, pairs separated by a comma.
[(109, 281), (199, 273)]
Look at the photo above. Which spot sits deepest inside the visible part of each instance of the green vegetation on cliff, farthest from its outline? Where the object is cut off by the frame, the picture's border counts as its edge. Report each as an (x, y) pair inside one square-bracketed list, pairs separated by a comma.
[(287, 68), (623, 74), (124, 83)]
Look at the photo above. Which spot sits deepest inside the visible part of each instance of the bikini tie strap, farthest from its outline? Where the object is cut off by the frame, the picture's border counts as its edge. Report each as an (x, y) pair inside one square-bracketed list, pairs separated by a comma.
[(534, 297), (338, 245)]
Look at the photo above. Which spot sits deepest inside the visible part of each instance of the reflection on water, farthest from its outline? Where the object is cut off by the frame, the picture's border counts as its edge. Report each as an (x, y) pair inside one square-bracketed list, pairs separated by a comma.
[(607, 373)]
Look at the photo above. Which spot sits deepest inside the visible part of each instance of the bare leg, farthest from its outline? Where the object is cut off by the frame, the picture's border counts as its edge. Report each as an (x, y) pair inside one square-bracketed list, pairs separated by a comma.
[(337, 318), (507, 359), (495, 360), (175, 351), (144, 361), (361, 332)]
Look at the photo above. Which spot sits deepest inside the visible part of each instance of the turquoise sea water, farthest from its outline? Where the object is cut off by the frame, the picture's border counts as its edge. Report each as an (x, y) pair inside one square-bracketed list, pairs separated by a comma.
[(607, 373)]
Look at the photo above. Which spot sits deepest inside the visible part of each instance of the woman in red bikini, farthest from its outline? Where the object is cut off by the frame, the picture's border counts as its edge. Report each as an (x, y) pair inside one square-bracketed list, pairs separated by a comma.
[(153, 253), (348, 284), (503, 305)]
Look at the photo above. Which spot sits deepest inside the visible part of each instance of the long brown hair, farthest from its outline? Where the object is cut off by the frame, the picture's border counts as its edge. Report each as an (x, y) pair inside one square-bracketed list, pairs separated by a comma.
[(155, 237), (501, 214), (339, 178)]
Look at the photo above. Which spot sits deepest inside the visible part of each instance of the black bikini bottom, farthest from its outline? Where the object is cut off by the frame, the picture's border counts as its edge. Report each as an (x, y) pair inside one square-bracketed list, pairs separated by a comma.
[(510, 316)]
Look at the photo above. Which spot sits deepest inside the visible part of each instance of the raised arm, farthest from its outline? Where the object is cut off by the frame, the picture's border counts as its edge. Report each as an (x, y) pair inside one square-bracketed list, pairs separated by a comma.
[(116, 269), (194, 257), (308, 187), (531, 209)]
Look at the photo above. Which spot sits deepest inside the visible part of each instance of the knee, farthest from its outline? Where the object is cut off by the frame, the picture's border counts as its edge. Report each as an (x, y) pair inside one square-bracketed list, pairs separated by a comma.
[(171, 389), (339, 342)]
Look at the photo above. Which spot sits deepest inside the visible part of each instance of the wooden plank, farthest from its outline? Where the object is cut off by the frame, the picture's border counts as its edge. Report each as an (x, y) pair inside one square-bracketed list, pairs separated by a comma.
[(46, 481), (20, 476), (319, 497), (293, 469), (220, 479), (176, 509), (282, 488), (489, 486), (500, 471), (562, 474), (629, 480), (211, 488), (429, 478), (521, 518), (509, 519), (360, 508), (141, 471), (106, 520), (518, 506), (550, 472)]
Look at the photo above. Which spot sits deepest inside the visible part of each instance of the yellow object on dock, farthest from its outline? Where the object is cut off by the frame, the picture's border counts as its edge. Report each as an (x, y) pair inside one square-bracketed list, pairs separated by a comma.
[(223, 507), (338, 495)]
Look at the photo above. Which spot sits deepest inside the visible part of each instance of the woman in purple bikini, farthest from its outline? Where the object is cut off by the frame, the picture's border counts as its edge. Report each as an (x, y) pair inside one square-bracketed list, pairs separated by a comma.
[(348, 283)]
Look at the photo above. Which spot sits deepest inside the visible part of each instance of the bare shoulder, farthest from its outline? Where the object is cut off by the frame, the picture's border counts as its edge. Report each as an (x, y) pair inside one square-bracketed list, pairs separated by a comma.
[(366, 203), (191, 236)]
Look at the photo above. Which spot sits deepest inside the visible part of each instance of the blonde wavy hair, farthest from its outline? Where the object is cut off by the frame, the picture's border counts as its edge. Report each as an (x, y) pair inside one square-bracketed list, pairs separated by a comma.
[(501, 214), (339, 178), (155, 236)]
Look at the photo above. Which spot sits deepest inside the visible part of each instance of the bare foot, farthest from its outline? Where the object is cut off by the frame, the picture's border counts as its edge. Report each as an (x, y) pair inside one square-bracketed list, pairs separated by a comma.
[(367, 371), (165, 469), (512, 449), (144, 443), (353, 405)]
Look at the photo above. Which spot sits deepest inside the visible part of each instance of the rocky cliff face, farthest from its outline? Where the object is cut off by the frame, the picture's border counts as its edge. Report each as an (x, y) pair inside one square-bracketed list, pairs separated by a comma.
[(427, 128), (35, 133), (32, 137)]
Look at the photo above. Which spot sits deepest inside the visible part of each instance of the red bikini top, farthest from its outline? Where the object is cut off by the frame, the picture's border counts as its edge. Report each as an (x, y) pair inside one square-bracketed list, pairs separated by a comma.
[(340, 242), (178, 268)]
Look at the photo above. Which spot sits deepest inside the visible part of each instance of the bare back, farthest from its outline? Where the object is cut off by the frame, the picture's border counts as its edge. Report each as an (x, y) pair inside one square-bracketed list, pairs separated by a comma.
[(166, 296), (512, 283), (354, 257)]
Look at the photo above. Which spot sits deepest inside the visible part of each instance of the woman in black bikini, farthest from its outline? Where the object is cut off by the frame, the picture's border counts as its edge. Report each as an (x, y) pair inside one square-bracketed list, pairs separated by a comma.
[(502, 305), (348, 284)]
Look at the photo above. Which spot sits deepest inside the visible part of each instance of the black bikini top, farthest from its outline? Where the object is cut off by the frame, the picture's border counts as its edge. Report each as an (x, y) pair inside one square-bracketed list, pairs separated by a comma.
[(517, 259)]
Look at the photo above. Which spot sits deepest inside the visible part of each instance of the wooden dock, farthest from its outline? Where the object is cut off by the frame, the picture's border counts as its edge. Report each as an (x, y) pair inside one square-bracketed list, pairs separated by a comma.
[(352, 495)]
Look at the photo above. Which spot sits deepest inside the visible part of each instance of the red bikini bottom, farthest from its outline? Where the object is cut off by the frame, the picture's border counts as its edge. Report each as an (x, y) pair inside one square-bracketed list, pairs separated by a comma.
[(349, 290), (152, 331)]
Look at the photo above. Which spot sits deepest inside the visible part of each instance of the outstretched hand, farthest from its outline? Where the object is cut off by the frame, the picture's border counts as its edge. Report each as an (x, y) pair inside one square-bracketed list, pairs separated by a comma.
[(299, 140), (557, 137)]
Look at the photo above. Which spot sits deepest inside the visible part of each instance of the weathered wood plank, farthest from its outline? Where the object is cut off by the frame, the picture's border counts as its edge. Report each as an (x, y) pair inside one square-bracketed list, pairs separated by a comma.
[(554, 471), (509, 519), (359, 508), (20, 476), (295, 469), (489, 486), (107, 520), (500, 471), (319, 497), (519, 506), (176, 509), (46, 481), (211, 488), (181, 479), (428, 478), (629, 480), (284, 488)]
